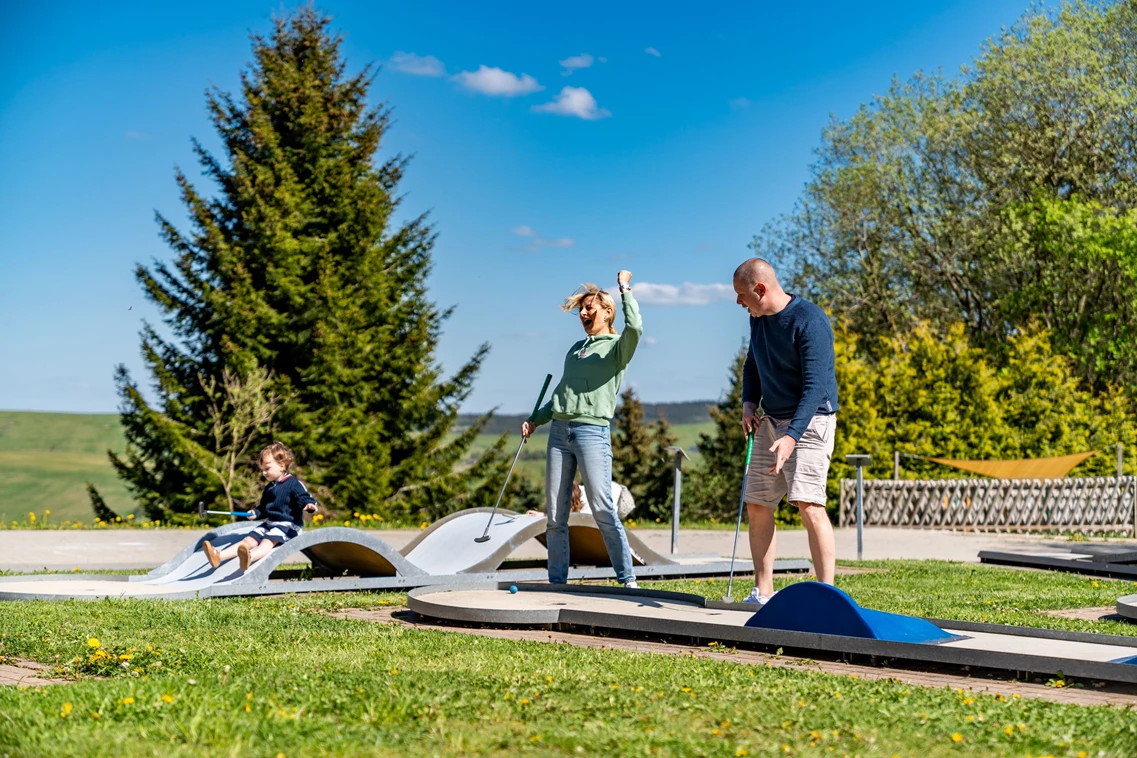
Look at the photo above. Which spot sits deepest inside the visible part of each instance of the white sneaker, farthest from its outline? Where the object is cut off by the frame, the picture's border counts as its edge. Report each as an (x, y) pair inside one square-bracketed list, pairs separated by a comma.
[(754, 598), (631, 586)]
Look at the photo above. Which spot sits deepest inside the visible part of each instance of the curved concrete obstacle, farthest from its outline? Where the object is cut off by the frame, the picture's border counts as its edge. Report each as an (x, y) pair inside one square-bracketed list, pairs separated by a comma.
[(351, 559), (1127, 607), (864, 632)]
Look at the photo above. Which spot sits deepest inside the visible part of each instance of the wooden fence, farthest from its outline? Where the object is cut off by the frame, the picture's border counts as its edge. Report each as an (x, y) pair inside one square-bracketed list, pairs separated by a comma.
[(1102, 503)]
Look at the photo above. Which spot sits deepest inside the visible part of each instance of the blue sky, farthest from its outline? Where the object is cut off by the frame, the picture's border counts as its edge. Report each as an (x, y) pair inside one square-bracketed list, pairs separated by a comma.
[(692, 126)]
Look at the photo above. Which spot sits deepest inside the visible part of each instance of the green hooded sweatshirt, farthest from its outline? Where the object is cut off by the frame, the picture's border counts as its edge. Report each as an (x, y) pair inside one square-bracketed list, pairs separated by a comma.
[(594, 368)]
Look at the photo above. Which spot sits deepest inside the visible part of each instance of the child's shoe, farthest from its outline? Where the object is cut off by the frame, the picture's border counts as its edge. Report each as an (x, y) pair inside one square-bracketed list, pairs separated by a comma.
[(211, 554), (243, 556)]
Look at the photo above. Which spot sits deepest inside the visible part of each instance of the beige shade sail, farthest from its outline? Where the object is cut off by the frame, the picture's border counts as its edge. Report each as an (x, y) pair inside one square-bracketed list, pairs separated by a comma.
[(1032, 468)]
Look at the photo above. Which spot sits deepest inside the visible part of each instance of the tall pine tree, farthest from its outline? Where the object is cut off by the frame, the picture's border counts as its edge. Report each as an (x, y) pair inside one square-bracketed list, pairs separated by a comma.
[(297, 267), (640, 460)]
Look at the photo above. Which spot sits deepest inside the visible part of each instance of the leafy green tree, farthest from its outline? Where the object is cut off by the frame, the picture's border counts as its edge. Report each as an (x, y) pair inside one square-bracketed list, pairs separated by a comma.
[(1003, 194), (297, 267), (929, 394), (640, 460)]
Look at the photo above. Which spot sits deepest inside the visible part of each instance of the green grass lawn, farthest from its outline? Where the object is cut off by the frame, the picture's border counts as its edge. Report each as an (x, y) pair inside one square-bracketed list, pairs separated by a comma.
[(279, 676), (46, 460)]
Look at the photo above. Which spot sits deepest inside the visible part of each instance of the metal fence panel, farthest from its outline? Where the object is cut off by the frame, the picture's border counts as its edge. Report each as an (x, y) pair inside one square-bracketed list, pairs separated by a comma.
[(1103, 503)]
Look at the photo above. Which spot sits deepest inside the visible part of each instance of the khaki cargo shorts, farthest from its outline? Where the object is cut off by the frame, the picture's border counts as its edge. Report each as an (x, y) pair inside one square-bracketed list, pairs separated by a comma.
[(803, 476)]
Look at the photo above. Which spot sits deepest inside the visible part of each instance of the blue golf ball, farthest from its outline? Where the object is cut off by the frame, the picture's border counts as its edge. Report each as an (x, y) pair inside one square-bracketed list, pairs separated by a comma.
[(513, 589)]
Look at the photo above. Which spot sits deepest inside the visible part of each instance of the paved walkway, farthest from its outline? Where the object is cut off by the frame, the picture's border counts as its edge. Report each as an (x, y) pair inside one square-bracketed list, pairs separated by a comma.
[(32, 550)]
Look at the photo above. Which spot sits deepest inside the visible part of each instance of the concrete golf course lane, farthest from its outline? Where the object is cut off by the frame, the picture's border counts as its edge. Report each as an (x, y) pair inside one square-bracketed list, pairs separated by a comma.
[(351, 559), (988, 646)]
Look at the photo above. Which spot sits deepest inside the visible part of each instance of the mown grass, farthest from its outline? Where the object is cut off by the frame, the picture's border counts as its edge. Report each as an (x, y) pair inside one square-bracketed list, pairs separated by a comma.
[(280, 675)]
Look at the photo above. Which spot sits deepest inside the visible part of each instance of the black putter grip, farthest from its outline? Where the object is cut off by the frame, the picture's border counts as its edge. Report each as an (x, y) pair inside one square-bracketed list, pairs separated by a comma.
[(544, 389)]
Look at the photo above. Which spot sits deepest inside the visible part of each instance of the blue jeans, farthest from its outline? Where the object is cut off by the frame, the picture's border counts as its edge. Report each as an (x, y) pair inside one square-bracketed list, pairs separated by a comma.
[(589, 446)]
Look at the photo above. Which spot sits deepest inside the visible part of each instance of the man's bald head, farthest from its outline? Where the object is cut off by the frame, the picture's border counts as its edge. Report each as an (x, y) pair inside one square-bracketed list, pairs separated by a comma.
[(757, 288), (755, 271)]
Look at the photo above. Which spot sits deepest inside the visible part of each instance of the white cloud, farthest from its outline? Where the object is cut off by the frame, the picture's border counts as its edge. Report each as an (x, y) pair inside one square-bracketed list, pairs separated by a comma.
[(650, 340), (572, 63), (740, 102), (652, 51), (537, 242), (683, 294), (418, 65), (574, 101), (494, 81)]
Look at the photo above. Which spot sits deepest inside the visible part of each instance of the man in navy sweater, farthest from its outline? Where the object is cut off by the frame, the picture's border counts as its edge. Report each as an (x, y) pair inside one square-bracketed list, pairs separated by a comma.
[(789, 402)]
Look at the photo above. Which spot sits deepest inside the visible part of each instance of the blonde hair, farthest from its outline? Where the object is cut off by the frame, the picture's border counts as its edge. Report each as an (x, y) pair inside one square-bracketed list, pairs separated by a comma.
[(575, 301), (279, 453)]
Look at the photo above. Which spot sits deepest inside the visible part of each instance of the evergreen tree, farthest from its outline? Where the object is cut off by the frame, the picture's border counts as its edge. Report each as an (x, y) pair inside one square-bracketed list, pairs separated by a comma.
[(298, 268), (716, 482), (640, 459)]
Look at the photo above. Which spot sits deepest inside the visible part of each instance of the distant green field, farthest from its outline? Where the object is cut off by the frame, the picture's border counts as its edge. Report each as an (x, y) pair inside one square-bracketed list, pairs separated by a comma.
[(532, 463), (46, 460)]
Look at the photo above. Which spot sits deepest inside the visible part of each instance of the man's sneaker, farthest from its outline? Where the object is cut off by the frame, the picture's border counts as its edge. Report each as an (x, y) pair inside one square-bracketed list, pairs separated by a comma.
[(211, 554), (631, 585), (754, 598), (243, 556)]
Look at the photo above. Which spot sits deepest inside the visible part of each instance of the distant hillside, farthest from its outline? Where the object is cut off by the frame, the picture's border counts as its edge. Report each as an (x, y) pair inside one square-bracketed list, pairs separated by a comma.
[(46, 460), (688, 412)]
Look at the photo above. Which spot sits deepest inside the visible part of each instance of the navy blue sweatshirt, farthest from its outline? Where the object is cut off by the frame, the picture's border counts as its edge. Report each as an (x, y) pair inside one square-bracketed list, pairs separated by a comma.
[(789, 367), (284, 500)]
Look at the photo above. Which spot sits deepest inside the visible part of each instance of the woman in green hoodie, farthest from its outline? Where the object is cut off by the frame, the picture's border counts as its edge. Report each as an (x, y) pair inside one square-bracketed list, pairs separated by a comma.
[(581, 409)]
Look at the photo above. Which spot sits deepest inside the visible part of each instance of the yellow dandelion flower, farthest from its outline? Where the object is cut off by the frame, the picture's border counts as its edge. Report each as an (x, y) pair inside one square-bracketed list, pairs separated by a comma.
[(716, 732), (93, 642), (548, 679), (535, 738), (47, 513), (524, 701), (167, 698), (741, 751), (394, 671), (725, 725), (1008, 730), (684, 689), (66, 710), (956, 737), (125, 657), (128, 701)]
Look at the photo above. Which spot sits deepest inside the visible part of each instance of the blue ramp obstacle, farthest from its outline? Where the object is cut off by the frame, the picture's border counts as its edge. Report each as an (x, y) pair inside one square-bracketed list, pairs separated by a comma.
[(822, 609)]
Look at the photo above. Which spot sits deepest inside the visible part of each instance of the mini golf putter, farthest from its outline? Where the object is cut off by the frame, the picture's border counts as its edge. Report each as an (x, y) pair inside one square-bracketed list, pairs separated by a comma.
[(201, 512), (536, 407)]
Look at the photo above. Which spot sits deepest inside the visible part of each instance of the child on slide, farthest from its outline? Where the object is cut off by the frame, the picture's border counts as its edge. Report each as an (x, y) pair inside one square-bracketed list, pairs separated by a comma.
[(283, 505)]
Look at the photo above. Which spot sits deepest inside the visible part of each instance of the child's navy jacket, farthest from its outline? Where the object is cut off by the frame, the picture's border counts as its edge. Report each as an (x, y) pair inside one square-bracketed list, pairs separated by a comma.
[(284, 500)]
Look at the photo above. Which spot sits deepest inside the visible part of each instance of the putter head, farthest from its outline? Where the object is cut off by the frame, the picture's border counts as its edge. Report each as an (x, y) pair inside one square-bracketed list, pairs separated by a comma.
[(483, 538), (201, 510), (727, 599)]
